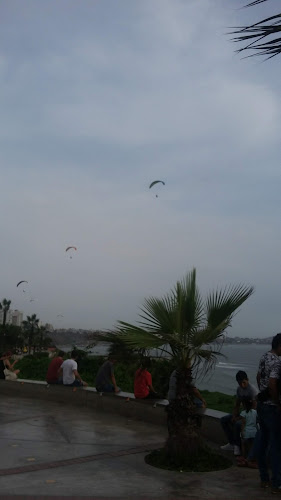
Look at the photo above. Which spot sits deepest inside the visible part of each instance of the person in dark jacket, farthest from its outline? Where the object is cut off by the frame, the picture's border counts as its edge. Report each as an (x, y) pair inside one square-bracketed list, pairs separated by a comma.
[(105, 380)]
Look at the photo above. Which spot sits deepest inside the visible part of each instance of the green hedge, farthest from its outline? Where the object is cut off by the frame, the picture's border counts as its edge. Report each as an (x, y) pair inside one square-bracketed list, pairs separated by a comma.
[(35, 368)]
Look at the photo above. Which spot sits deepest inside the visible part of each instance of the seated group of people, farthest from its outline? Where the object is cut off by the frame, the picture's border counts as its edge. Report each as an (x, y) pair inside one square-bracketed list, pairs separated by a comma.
[(66, 373)]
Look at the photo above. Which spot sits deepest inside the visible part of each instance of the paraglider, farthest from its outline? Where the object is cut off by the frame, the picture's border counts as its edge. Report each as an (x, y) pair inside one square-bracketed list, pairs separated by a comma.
[(70, 250), (21, 283), (156, 182)]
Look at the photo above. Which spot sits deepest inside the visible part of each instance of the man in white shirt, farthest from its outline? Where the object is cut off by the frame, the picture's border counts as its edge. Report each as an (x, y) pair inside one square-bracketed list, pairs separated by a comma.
[(69, 372)]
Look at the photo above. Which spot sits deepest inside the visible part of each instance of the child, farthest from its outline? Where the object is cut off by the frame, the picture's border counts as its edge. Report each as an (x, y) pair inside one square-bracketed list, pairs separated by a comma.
[(248, 418)]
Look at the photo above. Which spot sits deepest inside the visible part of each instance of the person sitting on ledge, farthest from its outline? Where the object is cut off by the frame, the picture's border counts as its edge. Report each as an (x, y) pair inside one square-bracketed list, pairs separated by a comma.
[(143, 388), (53, 368), (7, 371), (198, 400), (231, 423), (69, 372), (105, 379)]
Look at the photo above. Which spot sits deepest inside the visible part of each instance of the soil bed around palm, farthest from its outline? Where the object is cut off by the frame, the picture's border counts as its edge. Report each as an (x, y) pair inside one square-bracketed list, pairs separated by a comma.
[(205, 461)]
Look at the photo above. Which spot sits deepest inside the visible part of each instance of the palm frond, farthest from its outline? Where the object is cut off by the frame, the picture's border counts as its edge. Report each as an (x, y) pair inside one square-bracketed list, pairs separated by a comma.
[(256, 33), (221, 305), (208, 335), (189, 310), (256, 2), (158, 314), (136, 337), (205, 362)]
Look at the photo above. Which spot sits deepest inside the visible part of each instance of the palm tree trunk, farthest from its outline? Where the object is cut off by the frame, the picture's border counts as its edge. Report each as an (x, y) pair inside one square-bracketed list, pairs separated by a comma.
[(184, 423)]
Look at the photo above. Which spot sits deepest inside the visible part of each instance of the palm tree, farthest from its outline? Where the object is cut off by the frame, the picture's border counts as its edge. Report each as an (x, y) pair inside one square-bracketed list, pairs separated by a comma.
[(5, 306), (31, 327), (263, 37), (191, 331)]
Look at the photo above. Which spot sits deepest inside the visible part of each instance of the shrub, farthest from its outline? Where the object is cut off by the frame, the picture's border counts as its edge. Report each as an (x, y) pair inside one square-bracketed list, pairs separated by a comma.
[(33, 368), (41, 355)]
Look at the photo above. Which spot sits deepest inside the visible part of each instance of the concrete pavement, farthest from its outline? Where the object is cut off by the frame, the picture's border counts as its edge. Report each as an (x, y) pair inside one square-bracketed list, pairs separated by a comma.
[(52, 450)]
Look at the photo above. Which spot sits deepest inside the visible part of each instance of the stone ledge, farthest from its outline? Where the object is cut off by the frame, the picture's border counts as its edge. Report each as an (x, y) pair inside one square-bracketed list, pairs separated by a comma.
[(123, 403)]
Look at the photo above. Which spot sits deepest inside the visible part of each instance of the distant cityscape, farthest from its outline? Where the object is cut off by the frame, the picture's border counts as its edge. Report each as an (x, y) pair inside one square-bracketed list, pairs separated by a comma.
[(14, 317), (82, 337), (79, 336), (247, 340)]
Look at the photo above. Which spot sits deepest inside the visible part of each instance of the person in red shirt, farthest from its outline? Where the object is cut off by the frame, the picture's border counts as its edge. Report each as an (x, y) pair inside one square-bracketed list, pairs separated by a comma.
[(54, 366), (143, 388)]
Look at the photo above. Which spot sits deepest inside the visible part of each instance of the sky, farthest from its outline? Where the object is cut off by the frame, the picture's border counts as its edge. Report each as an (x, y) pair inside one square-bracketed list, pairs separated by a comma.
[(98, 99)]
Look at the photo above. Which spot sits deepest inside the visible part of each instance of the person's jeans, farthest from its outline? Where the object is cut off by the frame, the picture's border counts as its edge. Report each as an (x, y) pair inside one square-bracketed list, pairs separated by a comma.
[(231, 429), (76, 383), (254, 451), (270, 443), (106, 388), (56, 382), (198, 403)]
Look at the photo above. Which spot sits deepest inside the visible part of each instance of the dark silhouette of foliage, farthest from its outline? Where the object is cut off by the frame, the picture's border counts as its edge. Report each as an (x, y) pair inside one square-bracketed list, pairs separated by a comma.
[(262, 38)]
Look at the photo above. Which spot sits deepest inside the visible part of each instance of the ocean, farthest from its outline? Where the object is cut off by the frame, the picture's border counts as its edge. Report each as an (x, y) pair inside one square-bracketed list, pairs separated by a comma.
[(222, 378), (237, 357)]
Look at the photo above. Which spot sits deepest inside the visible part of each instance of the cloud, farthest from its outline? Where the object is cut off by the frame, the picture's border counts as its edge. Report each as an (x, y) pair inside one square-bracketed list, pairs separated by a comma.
[(97, 101)]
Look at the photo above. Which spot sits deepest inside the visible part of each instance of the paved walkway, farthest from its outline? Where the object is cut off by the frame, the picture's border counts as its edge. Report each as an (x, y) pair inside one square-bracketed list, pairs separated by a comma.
[(54, 451)]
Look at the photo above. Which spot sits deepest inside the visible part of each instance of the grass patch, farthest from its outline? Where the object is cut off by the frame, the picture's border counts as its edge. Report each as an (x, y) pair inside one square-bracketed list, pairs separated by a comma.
[(205, 461), (219, 401)]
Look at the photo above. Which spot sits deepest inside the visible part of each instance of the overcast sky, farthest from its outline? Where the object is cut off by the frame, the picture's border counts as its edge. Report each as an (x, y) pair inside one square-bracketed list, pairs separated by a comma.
[(98, 99)]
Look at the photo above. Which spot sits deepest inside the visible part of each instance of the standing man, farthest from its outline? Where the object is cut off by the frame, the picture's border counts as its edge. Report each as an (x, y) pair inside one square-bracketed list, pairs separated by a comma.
[(105, 380), (269, 413), (69, 372), (231, 423)]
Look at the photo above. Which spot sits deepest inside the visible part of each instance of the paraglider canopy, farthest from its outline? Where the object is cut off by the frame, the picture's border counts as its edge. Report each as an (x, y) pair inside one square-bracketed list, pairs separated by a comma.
[(156, 182), (68, 248), (22, 281)]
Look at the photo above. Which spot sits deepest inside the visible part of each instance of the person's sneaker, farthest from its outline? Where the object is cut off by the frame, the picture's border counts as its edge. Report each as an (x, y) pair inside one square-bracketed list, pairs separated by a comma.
[(265, 484), (236, 450), (276, 491), (227, 447)]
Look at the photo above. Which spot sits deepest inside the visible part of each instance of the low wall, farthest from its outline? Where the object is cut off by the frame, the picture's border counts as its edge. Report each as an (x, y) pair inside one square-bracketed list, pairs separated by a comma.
[(124, 403)]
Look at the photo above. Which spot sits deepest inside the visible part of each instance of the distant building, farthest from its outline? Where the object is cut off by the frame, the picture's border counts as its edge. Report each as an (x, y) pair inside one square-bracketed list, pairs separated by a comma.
[(14, 317), (49, 327)]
